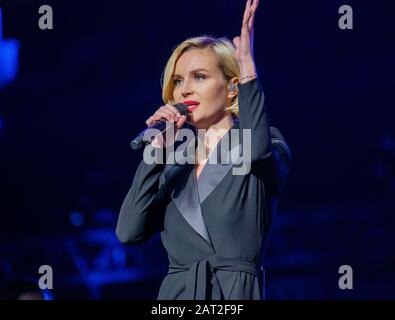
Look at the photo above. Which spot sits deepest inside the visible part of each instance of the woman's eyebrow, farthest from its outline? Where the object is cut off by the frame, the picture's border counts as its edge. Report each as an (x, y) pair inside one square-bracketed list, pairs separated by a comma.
[(192, 71)]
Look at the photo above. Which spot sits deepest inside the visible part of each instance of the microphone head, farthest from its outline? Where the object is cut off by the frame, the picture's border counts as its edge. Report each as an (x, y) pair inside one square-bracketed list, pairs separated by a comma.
[(182, 108)]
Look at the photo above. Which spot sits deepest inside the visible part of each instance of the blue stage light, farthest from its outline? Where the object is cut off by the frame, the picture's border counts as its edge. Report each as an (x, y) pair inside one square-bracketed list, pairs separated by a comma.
[(8, 58), (76, 219)]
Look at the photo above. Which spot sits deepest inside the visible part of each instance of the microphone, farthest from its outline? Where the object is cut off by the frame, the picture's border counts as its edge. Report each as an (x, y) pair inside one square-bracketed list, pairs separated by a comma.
[(139, 141)]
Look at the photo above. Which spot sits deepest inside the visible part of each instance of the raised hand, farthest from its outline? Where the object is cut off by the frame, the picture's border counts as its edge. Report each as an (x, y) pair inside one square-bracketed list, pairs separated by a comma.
[(244, 43)]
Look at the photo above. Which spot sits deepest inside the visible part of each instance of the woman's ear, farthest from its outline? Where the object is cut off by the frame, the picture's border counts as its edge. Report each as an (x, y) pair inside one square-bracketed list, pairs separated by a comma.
[(232, 87)]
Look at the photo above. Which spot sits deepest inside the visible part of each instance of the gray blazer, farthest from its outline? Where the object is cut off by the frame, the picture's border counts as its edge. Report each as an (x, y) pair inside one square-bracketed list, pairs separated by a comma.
[(214, 228)]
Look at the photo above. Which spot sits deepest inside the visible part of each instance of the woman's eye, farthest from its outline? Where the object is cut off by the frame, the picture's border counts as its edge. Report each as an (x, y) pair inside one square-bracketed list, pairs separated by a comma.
[(200, 76), (177, 82)]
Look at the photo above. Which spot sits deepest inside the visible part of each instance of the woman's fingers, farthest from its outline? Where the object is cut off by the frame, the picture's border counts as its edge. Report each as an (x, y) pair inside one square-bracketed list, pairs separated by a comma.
[(170, 110), (173, 108), (236, 41), (244, 43), (249, 13), (181, 122), (167, 112), (179, 125), (246, 12), (253, 10), (174, 112), (152, 120)]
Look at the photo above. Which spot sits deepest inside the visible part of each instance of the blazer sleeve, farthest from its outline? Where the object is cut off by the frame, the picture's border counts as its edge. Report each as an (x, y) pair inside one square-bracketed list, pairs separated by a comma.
[(270, 154), (275, 168), (142, 210)]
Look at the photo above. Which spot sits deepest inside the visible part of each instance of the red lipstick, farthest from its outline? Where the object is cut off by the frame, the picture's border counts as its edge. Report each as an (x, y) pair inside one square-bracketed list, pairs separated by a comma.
[(192, 104)]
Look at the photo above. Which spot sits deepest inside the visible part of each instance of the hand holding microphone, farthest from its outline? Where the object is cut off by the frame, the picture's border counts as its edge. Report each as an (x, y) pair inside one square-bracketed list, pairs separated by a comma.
[(177, 114)]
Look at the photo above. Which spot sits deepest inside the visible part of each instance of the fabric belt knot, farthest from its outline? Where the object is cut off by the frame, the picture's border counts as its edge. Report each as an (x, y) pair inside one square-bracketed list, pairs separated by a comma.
[(202, 273)]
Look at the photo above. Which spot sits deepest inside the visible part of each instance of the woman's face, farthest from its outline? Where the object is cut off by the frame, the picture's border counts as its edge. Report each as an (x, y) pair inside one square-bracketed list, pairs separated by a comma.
[(197, 78)]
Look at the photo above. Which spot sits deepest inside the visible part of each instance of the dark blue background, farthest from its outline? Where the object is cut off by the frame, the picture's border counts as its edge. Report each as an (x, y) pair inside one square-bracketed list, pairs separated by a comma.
[(86, 87)]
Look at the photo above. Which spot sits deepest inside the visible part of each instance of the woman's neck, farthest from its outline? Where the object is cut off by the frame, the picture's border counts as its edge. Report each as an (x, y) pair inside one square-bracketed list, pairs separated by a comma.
[(212, 135)]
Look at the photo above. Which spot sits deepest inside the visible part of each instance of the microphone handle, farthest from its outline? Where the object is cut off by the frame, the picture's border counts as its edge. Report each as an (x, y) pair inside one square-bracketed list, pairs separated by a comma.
[(139, 142)]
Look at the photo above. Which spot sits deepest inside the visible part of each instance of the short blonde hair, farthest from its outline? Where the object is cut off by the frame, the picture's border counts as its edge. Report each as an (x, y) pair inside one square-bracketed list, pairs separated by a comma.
[(224, 51)]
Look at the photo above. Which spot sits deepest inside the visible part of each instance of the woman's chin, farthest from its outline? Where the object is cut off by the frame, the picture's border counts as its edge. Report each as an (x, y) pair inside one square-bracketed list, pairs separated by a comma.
[(199, 121), (196, 123), (192, 119)]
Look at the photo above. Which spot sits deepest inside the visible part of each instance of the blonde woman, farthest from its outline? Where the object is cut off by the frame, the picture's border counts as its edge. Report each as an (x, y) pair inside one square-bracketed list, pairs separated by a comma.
[(214, 223)]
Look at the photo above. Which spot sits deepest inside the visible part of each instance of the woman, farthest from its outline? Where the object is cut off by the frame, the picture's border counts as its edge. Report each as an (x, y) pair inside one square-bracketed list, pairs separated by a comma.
[(214, 224)]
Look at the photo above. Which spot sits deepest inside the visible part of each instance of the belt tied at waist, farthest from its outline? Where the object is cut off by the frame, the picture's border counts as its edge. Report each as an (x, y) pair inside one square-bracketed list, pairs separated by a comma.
[(198, 278)]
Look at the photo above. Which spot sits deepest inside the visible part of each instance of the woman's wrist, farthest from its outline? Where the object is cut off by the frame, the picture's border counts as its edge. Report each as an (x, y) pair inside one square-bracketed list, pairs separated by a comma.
[(247, 78), (247, 71)]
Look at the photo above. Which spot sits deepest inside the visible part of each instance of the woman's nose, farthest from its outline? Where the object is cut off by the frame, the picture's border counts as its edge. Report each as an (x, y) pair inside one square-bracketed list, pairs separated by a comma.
[(186, 89)]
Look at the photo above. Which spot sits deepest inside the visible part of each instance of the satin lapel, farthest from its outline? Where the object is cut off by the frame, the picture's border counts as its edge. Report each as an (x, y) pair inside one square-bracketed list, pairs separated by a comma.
[(181, 182), (186, 199)]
